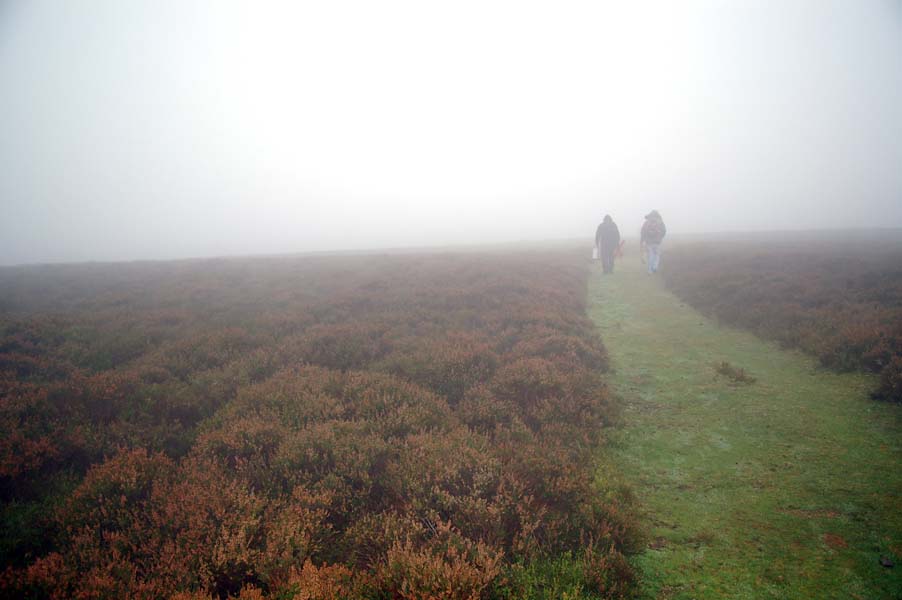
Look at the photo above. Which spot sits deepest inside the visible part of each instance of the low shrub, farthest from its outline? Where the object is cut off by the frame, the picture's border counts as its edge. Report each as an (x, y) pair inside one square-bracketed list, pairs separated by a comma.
[(392, 427), (891, 381), (734, 374), (837, 300)]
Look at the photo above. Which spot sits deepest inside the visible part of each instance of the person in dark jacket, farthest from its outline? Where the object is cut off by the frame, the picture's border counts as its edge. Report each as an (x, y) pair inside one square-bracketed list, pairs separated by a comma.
[(607, 238), (653, 232)]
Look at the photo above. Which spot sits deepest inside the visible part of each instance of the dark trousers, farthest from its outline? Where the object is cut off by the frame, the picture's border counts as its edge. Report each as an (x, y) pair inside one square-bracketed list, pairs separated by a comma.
[(607, 261)]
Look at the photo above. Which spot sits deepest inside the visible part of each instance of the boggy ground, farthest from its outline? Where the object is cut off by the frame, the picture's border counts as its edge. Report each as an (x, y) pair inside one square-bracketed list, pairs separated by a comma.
[(787, 487)]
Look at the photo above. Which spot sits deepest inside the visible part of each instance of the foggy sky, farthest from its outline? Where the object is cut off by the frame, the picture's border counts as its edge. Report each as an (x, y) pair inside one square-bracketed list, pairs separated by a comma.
[(137, 129)]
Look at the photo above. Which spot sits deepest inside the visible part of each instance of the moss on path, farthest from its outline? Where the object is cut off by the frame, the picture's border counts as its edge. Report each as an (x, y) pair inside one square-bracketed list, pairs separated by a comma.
[(788, 487)]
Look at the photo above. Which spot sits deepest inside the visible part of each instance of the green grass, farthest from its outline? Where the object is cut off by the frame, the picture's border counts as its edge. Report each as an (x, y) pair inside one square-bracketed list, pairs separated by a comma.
[(554, 578), (787, 487)]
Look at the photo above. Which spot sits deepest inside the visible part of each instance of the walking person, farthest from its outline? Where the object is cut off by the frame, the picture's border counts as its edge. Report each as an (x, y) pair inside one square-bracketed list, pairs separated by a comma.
[(607, 238), (653, 232)]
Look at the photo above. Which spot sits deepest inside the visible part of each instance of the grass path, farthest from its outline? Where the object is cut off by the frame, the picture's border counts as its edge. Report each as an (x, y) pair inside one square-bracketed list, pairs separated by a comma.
[(789, 487)]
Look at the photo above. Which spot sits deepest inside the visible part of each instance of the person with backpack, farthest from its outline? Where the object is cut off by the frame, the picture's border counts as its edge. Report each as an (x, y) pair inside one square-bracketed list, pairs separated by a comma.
[(653, 232), (607, 239)]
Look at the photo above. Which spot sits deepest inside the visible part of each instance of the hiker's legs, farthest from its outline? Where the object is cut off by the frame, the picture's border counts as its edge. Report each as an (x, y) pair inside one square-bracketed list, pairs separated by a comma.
[(607, 262), (654, 256)]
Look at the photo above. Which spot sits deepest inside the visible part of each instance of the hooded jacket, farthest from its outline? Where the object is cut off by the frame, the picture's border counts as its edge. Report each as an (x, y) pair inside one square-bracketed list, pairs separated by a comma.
[(653, 230), (607, 236)]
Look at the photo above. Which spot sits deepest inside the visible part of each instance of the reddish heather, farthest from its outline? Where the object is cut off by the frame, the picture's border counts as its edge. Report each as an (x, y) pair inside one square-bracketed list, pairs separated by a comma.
[(357, 427), (841, 301)]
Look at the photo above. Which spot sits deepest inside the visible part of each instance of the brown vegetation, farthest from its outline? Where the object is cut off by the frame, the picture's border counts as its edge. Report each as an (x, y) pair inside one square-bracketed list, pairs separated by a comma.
[(839, 301), (734, 374), (368, 427)]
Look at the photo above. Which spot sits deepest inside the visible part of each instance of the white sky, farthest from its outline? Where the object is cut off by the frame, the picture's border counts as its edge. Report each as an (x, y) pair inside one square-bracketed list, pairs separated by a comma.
[(138, 129)]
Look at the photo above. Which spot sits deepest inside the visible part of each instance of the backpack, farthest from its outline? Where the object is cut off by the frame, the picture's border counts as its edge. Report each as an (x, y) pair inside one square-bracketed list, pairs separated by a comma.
[(654, 231)]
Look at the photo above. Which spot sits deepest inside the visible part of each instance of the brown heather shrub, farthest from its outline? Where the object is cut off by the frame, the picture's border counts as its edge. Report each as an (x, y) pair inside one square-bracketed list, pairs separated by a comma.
[(482, 411), (734, 374), (327, 582), (208, 351), (891, 381), (839, 300), (448, 367), (608, 572), (444, 565), (343, 346), (587, 352), (382, 427), (457, 476), (525, 381)]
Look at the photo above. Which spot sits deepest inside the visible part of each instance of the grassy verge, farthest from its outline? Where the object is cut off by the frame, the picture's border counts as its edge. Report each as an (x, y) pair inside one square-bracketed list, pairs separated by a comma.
[(785, 487)]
